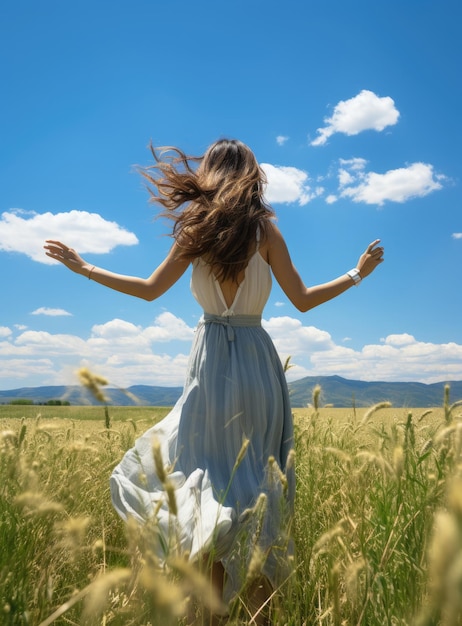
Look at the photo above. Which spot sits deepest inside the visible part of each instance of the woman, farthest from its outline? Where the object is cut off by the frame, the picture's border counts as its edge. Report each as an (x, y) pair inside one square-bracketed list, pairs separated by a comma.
[(229, 437)]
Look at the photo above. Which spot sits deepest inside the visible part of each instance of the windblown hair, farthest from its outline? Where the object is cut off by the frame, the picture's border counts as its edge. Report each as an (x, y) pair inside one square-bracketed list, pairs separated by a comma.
[(217, 207)]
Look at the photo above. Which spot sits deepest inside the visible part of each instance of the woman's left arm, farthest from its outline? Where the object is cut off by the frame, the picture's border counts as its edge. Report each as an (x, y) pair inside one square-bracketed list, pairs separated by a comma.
[(305, 298), (163, 277)]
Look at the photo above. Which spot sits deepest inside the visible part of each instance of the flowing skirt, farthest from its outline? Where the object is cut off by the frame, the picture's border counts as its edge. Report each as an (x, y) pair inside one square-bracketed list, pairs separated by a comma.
[(217, 472)]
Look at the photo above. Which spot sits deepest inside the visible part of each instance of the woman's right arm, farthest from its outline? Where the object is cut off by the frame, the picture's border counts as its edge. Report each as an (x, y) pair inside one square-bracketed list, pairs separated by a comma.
[(166, 274), (305, 298)]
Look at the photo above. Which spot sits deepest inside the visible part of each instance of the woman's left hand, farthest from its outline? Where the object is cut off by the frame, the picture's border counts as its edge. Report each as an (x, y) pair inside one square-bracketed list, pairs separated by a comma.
[(369, 260)]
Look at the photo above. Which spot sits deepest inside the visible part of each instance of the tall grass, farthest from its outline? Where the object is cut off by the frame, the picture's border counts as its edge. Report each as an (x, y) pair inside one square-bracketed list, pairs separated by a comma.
[(378, 525)]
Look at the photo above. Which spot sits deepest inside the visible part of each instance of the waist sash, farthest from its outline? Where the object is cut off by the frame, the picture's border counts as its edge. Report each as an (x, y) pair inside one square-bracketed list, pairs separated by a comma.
[(230, 321)]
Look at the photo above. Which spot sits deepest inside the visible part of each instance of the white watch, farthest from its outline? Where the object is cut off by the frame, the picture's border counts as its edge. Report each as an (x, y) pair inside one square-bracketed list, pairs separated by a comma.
[(355, 275)]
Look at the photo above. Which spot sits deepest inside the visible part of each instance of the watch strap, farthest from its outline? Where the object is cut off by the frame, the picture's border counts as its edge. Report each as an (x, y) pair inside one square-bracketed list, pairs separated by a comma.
[(355, 275)]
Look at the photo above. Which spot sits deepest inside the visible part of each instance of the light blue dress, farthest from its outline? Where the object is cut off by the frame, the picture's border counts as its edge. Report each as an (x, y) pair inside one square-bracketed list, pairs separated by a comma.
[(233, 417)]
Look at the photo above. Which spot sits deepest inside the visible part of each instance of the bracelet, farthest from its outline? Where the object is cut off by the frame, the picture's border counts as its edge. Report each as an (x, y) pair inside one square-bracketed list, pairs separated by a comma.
[(355, 275), (89, 273)]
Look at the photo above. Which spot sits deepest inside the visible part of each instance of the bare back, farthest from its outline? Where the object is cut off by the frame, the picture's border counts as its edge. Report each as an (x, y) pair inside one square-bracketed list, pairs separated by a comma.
[(247, 296), (229, 288)]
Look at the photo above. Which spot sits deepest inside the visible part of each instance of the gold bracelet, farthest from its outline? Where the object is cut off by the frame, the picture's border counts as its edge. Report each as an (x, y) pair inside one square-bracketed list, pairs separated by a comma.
[(89, 273)]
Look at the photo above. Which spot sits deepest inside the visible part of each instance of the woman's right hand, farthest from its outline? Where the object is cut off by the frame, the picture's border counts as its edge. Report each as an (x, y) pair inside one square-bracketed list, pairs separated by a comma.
[(369, 260), (67, 256)]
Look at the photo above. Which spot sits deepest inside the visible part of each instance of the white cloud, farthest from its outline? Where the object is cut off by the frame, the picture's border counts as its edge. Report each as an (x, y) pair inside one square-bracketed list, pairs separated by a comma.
[(355, 163), (288, 184), (33, 342), (400, 358), (21, 371), (344, 177), (43, 310), (281, 140), (5, 331), (115, 329), (399, 340), (25, 232), (399, 185), (123, 352), (128, 354), (350, 171), (366, 111), (457, 235), (168, 327), (292, 338)]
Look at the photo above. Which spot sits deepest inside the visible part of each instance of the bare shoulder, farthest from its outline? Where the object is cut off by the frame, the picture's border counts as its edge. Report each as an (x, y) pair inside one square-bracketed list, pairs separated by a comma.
[(272, 231), (276, 243), (272, 235), (267, 242)]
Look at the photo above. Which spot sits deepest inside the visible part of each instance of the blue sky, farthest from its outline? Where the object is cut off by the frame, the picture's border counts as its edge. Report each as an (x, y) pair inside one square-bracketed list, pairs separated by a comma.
[(352, 108)]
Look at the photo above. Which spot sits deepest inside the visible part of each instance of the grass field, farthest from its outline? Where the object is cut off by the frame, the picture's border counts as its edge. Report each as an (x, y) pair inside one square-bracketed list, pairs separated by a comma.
[(378, 522)]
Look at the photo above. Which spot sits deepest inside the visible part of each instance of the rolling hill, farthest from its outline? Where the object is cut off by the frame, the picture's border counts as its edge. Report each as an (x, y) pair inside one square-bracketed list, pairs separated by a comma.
[(337, 391)]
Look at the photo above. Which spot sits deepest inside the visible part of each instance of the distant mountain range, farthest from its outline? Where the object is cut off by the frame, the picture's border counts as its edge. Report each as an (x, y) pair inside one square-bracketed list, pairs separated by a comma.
[(341, 392), (142, 395), (336, 391)]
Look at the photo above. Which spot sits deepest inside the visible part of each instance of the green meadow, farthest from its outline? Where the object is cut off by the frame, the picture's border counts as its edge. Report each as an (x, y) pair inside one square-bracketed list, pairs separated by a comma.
[(377, 528)]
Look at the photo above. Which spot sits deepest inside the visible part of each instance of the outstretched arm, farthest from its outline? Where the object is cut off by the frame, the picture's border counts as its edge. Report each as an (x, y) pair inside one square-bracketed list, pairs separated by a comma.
[(168, 272), (305, 298)]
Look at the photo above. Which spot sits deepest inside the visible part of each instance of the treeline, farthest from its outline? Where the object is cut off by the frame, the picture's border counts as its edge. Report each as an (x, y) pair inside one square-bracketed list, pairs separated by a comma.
[(47, 403)]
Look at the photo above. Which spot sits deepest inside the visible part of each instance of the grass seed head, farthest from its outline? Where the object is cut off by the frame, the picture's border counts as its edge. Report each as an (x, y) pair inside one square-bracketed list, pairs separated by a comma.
[(35, 503), (352, 578), (242, 453), (368, 414), (445, 566), (92, 382), (443, 435), (261, 504), (197, 584), (424, 414), (455, 499), (316, 394), (426, 447), (256, 564), (9, 437), (290, 460), (275, 475), (398, 461), (165, 593), (143, 479), (325, 539), (158, 460), (171, 497), (73, 531), (378, 460), (99, 593), (458, 440), (340, 454)]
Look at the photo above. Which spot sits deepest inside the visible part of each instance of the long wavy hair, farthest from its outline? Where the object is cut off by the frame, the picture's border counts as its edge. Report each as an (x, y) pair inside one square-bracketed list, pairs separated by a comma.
[(216, 203)]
